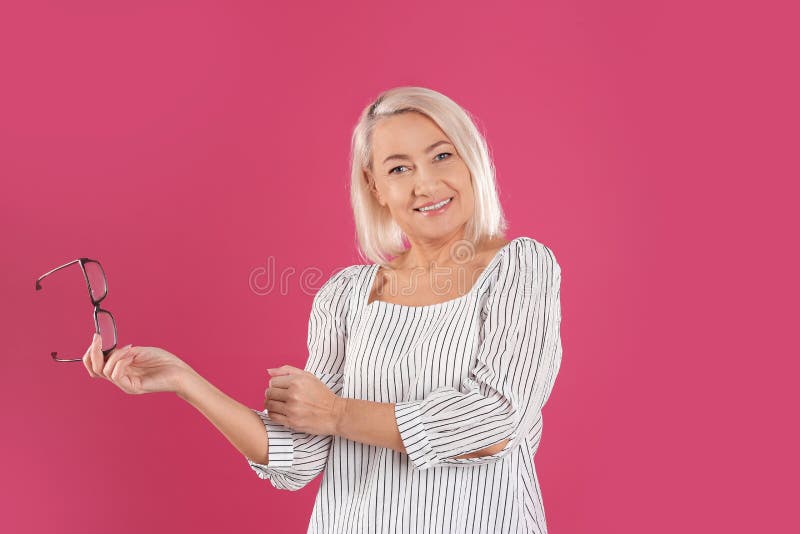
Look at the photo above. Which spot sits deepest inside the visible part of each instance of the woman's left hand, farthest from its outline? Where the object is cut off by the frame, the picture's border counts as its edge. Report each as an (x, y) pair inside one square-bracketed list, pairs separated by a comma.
[(299, 400)]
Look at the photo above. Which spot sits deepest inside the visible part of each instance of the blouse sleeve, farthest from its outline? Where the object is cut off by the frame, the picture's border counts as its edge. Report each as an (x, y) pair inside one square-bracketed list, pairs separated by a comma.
[(296, 458), (513, 374)]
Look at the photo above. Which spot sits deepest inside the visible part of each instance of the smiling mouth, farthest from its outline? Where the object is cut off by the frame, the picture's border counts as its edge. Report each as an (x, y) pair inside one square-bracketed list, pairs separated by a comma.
[(435, 207)]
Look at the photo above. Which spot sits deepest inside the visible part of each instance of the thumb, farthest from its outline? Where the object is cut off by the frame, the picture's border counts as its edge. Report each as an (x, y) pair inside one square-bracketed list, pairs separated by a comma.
[(280, 371)]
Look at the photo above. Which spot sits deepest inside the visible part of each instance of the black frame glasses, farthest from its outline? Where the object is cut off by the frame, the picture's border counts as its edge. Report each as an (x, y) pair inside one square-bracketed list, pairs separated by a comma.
[(95, 302)]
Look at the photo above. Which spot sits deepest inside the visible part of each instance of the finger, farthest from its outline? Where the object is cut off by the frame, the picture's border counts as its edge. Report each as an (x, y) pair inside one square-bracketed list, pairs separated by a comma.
[(113, 358), (120, 374), (280, 381), (97, 355), (111, 361), (279, 418), (87, 360), (284, 370), (119, 365), (278, 394), (273, 406), (122, 365), (266, 398)]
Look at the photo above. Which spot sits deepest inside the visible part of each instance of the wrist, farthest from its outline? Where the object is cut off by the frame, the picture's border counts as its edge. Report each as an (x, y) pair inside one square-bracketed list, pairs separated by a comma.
[(339, 413), (187, 381)]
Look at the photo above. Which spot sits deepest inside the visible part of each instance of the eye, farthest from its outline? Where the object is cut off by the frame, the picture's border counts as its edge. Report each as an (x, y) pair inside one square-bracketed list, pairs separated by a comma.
[(436, 158), (400, 167)]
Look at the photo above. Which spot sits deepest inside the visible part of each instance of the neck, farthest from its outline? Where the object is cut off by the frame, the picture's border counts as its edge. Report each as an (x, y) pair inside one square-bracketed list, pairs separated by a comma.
[(426, 254)]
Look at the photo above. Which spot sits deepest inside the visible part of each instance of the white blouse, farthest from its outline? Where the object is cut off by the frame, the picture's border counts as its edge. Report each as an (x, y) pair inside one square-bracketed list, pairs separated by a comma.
[(463, 374)]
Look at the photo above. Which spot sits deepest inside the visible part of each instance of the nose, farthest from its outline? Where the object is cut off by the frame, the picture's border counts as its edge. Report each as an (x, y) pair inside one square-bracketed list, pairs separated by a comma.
[(426, 182)]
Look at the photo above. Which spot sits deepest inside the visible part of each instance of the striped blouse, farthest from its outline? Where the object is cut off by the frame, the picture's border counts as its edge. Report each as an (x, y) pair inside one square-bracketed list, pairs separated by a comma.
[(462, 374)]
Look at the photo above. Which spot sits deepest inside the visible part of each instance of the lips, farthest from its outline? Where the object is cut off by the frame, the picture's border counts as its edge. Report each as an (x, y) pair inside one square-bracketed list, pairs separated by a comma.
[(446, 201)]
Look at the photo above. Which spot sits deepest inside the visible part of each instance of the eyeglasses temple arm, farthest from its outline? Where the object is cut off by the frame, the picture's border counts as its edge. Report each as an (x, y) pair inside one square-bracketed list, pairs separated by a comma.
[(48, 273), (105, 352)]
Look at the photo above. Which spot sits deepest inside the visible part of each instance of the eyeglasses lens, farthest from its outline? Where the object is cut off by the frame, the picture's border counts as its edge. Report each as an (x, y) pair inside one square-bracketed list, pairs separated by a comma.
[(97, 280)]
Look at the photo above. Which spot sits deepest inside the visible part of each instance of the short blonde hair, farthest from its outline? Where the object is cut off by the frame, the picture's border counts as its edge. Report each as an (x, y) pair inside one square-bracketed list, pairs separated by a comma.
[(379, 237)]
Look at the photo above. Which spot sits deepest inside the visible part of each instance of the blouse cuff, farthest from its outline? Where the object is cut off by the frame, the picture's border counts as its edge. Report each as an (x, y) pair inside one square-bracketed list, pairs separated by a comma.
[(419, 448), (281, 446), (414, 435)]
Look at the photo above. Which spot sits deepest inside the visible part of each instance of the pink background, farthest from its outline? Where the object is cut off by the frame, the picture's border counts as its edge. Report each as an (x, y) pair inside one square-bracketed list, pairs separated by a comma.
[(647, 145)]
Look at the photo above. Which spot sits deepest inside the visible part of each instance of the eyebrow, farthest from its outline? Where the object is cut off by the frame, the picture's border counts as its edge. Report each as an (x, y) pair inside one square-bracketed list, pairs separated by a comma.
[(404, 156)]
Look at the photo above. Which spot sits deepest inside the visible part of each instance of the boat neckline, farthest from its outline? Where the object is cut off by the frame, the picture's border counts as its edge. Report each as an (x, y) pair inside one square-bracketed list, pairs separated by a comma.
[(375, 267)]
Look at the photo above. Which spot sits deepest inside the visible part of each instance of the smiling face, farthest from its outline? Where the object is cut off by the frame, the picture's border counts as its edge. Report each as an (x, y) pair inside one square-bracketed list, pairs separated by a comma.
[(414, 164)]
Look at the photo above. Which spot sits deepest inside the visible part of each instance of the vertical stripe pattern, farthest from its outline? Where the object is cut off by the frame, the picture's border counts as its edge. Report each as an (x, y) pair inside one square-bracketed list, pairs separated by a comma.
[(463, 375)]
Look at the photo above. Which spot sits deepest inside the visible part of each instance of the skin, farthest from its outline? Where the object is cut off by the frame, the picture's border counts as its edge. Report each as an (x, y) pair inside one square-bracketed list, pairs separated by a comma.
[(401, 184), (295, 397), (428, 272)]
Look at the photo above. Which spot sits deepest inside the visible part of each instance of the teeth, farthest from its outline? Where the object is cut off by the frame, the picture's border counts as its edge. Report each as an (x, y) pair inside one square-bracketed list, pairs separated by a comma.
[(435, 206)]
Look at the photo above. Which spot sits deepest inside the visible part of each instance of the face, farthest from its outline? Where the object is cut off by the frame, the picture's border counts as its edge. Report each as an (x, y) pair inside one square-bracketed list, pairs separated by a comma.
[(415, 164)]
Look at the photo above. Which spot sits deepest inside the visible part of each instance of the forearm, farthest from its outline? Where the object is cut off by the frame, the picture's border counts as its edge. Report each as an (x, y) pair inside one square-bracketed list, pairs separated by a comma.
[(374, 423), (238, 423), (368, 422)]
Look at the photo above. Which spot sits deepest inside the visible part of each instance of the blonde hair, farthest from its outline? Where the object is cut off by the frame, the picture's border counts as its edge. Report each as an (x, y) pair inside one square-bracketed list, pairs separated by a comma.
[(379, 237)]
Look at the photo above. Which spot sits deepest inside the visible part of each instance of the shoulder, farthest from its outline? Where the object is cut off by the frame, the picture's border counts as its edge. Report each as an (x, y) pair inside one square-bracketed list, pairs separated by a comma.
[(341, 278), (527, 261), (536, 252), (529, 249), (345, 274), (338, 284)]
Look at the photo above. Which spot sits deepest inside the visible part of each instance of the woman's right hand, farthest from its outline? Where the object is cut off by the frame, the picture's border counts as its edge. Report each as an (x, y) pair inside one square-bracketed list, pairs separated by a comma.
[(136, 370)]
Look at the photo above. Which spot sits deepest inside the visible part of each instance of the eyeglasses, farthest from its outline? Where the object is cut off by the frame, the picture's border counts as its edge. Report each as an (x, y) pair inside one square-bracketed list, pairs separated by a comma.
[(97, 284)]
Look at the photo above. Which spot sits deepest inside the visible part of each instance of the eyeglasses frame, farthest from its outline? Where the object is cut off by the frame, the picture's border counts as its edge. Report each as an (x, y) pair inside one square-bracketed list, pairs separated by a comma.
[(95, 303)]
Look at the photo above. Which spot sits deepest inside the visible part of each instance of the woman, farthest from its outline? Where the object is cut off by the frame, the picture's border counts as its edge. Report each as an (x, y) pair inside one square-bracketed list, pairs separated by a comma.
[(428, 369)]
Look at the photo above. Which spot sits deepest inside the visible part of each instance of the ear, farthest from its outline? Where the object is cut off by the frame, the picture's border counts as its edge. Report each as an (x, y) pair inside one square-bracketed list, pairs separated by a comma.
[(370, 179)]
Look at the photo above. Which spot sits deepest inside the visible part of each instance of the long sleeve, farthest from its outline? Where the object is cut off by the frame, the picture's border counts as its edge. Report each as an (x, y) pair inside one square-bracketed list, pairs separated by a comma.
[(295, 458), (516, 364)]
